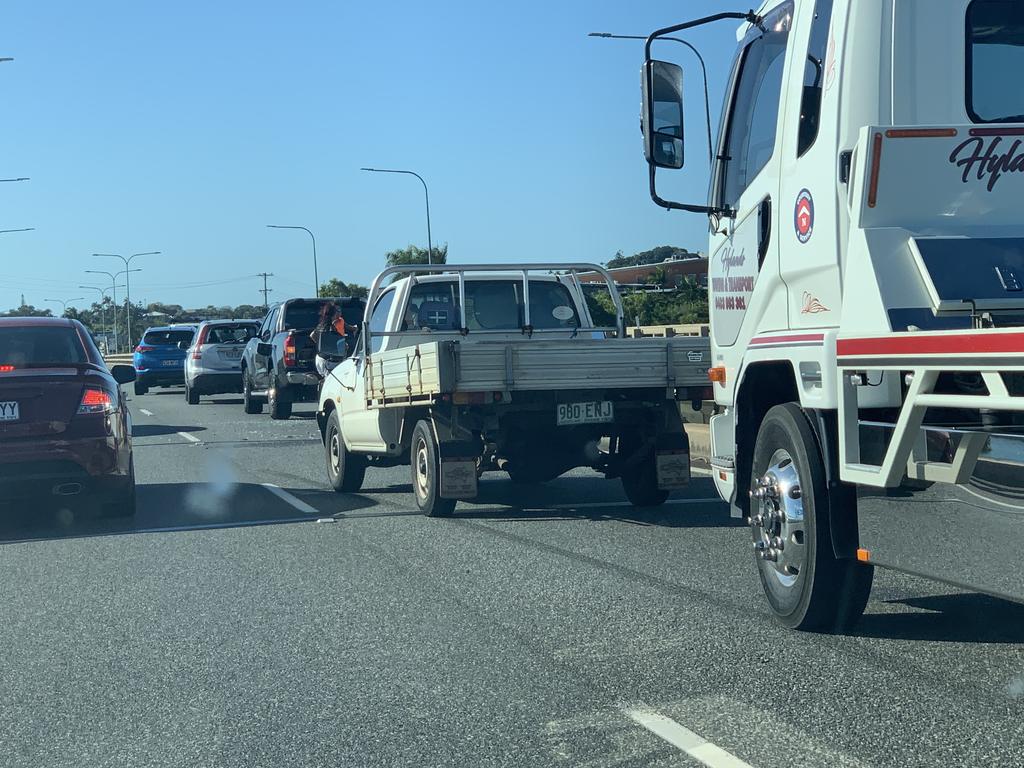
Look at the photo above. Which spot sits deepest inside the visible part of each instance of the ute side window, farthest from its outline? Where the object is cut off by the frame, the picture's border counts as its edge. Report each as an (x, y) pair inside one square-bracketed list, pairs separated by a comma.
[(379, 320), (995, 56), (749, 139), (815, 75)]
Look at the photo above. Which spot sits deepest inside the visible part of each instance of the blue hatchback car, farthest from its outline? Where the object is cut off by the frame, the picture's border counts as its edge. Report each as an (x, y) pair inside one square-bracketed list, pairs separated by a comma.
[(160, 357)]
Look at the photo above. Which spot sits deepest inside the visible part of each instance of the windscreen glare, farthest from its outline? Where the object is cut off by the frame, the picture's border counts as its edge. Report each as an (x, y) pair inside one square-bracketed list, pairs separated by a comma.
[(167, 338), (40, 346), (995, 57)]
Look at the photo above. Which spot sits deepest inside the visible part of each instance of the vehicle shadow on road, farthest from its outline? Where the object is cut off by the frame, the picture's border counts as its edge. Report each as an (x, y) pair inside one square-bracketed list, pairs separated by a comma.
[(159, 430), (161, 508), (952, 618)]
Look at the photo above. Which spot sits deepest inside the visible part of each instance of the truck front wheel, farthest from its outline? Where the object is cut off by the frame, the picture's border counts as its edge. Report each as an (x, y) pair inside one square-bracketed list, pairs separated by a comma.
[(426, 473), (806, 585), (345, 471)]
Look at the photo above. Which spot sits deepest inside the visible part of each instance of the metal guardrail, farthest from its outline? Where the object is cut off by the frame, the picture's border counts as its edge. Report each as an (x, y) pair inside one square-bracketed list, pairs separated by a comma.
[(125, 359)]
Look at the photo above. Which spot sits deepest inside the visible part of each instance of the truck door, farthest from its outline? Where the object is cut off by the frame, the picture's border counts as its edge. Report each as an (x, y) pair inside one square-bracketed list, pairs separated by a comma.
[(262, 363), (746, 180), (360, 425)]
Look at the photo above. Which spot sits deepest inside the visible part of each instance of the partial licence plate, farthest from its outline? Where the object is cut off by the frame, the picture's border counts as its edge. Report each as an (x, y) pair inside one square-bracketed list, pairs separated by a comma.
[(232, 354), (9, 411), (170, 363), (600, 412)]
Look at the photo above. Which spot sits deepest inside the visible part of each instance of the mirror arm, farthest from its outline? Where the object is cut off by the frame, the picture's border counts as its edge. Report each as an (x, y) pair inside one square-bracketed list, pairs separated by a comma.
[(749, 16), (673, 206)]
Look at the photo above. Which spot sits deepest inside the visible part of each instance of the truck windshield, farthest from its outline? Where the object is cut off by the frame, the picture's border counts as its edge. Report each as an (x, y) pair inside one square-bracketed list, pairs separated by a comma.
[(491, 305), (995, 48)]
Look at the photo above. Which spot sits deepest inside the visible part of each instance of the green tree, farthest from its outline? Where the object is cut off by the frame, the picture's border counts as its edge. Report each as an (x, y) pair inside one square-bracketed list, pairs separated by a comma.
[(27, 310), (336, 287), (653, 256), (415, 255)]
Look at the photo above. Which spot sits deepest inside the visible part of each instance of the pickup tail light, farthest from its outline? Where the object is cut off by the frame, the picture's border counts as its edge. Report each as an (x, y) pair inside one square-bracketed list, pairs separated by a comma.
[(95, 400), (289, 351)]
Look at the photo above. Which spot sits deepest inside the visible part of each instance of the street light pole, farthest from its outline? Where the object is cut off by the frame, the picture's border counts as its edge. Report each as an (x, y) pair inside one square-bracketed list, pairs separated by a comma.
[(25, 229), (703, 68), (103, 295), (20, 178), (426, 196), (316, 272), (64, 303), (113, 288), (128, 282)]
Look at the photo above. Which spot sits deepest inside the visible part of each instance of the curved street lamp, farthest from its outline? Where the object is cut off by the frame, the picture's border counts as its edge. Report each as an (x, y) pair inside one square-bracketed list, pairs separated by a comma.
[(426, 195), (64, 303), (128, 284), (316, 274)]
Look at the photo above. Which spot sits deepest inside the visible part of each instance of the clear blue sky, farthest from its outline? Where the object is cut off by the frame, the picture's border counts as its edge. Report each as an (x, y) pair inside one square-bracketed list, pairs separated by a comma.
[(186, 127)]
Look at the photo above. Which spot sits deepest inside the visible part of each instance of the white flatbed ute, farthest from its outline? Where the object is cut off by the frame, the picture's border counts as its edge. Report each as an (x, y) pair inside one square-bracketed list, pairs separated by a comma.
[(459, 370), (866, 292)]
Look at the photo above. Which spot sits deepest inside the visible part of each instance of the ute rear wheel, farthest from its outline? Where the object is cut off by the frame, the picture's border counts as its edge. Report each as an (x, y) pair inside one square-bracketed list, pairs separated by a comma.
[(345, 471), (280, 404), (806, 585), (640, 478), (426, 473)]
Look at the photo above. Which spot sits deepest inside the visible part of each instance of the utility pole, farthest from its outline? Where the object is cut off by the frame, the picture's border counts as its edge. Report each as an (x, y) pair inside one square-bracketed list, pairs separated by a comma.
[(265, 290)]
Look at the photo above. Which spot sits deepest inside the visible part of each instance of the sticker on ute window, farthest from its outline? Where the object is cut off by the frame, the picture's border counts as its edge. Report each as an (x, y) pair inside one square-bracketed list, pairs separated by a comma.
[(562, 313), (804, 220)]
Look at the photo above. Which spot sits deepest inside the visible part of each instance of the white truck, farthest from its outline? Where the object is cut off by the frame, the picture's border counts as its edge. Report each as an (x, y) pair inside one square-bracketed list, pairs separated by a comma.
[(458, 370), (867, 292)]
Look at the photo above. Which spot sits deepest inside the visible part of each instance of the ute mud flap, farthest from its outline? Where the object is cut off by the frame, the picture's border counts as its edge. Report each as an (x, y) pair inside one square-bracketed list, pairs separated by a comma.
[(458, 469), (672, 461)]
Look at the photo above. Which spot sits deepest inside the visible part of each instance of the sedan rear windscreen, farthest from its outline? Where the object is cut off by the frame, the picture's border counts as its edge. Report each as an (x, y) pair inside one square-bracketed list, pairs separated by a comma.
[(29, 346), (230, 334), (172, 338)]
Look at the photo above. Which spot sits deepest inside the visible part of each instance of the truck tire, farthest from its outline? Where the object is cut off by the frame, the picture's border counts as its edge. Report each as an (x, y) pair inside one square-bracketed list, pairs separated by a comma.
[(640, 482), (426, 473), (807, 586), (140, 388), (280, 404), (345, 471), (250, 403), (191, 396)]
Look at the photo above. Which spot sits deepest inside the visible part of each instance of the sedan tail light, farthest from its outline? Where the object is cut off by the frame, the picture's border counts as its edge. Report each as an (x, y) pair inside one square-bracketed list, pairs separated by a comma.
[(289, 351), (95, 400)]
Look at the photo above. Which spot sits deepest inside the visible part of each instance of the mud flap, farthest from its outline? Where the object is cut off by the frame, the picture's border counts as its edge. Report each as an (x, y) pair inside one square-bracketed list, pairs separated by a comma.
[(458, 470), (672, 461)]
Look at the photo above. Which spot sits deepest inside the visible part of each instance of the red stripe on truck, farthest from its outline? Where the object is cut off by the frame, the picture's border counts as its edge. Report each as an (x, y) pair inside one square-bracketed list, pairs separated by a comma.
[(790, 339), (918, 344)]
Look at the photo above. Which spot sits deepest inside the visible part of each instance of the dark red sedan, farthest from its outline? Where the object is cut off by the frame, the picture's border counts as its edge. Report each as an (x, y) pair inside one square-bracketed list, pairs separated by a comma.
[(65, 430)]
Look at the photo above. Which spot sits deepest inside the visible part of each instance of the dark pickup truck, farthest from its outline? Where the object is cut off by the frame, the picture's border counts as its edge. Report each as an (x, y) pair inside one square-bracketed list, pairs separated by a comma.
[(279, 363)]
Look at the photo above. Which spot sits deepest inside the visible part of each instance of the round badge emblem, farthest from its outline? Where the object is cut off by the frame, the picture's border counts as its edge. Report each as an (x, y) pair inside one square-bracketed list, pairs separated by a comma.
[(804, 216)]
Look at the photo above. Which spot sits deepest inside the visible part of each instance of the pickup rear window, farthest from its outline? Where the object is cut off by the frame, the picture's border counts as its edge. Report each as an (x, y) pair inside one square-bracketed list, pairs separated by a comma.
[(995, 57), (305, 315), (39, 346), (491, 305), (164, 338)]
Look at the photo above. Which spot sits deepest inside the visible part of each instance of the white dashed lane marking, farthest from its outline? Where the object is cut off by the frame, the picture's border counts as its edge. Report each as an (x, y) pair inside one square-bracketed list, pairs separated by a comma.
[(144, 412), (190, 438), (683, 738)]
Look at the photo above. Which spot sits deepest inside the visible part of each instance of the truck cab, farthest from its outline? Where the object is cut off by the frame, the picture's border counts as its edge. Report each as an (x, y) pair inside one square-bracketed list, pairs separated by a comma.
[(864, 210)]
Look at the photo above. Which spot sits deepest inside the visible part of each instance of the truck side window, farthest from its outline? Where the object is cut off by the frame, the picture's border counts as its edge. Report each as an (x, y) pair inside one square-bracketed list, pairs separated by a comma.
[(815, 75), (995, 53), (379, 320), (271, 323), (754, 114)]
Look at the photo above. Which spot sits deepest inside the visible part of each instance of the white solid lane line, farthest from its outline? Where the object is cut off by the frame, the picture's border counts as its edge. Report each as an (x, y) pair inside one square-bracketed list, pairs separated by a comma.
[(190, 438), (298, 504), (694, 745), (145, 412)]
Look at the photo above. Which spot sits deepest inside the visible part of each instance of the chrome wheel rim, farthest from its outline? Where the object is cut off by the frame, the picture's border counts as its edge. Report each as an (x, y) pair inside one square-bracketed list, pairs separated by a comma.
[(421, 468), (777, 521)]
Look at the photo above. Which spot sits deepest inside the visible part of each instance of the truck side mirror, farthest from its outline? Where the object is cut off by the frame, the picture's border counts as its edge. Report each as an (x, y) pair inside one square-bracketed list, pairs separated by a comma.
[(332, 346), (265, 350), (662, 114)]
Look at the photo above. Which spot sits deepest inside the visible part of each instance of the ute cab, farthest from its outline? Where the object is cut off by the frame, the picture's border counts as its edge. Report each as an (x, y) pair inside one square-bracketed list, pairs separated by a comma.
[(866, 288)]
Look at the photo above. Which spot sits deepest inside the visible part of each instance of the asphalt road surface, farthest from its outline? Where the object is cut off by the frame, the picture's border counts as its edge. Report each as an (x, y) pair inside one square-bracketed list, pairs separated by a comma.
[(556, 626)]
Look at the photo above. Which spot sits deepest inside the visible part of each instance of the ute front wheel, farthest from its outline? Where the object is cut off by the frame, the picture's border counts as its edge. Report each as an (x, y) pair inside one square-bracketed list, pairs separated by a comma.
[(806, 585), (345, 471), (426, 473)]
